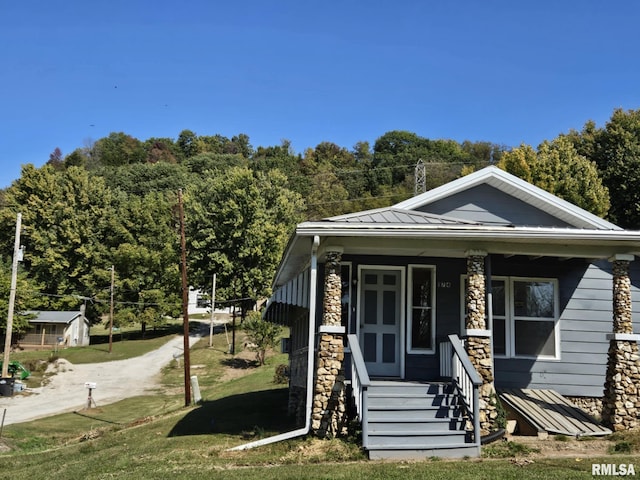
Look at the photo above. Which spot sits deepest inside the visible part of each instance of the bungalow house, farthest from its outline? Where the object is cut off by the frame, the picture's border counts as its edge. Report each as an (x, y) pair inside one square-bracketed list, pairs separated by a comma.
[(413, 318), (51, 328)]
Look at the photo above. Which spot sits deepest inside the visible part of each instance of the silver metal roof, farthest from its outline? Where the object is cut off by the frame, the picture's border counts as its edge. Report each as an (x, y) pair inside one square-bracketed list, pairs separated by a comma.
[(54, 317)]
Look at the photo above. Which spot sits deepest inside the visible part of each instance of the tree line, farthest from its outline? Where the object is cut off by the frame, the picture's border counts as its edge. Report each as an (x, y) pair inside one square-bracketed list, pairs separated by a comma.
[(113, 203)]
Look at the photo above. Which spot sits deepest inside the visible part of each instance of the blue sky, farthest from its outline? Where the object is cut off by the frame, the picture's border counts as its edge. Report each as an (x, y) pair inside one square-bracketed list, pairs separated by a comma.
[(345, 71)]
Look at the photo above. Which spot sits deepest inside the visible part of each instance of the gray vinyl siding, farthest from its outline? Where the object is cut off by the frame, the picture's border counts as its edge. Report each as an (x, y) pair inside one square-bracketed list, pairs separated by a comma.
[(585, 320), (585, 308), (486, 204)]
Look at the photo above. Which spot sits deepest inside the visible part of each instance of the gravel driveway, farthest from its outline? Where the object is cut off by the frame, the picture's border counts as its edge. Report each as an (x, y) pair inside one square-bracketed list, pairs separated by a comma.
[(116, 380)]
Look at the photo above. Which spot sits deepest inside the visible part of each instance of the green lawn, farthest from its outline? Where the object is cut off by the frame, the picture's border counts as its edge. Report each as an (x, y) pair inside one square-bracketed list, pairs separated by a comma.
[(155, 437)]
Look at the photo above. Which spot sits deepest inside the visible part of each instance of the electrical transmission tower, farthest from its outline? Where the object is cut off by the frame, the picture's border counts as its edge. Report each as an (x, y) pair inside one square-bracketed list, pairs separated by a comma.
[(420, 176)]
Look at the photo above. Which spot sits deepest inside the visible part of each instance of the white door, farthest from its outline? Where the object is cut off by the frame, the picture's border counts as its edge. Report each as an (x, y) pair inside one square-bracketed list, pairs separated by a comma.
[(380, 320)]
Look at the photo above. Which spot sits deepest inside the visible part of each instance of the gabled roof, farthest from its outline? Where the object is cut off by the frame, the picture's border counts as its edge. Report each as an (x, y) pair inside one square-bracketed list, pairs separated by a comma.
[(54, 317), (394, 215), (517, 188)]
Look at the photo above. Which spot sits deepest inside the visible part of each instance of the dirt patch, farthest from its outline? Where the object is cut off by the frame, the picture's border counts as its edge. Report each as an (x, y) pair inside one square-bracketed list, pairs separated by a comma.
[(239, 365), (562, 446)]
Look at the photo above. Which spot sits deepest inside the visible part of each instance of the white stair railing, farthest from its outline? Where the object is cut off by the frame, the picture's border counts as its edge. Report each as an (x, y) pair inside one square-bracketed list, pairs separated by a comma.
[(359, 384)]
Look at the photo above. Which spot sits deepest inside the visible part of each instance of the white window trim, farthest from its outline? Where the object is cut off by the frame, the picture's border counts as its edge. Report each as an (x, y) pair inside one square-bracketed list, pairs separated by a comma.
[(509, 320), (410, 348)]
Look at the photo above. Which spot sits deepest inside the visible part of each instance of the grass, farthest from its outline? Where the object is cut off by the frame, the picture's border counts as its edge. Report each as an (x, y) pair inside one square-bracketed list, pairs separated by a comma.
[(155, 437)]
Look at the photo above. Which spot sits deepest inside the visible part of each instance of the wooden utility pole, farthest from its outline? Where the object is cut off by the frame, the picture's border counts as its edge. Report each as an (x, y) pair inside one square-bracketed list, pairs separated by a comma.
[(113, 274), (213, 309), (185, 305), (12, 298)]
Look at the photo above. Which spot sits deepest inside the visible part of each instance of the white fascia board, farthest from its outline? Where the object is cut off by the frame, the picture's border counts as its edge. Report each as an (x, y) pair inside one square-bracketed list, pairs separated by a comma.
[(466, 231)]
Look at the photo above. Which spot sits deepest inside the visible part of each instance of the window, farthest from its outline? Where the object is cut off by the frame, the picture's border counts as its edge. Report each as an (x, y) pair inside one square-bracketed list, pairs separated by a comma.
[(421, 309), (525, 315)]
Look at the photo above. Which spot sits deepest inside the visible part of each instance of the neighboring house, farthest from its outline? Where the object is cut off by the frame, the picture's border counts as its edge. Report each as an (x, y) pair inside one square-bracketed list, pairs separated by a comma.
[(389, 311), (50, 328)]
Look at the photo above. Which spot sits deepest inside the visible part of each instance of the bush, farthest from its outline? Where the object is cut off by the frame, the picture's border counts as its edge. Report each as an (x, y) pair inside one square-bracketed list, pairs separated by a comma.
[(262, 335)]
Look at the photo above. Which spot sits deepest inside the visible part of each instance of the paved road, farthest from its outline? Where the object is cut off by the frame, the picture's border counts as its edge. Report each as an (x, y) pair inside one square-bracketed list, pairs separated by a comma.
[(116, 380)]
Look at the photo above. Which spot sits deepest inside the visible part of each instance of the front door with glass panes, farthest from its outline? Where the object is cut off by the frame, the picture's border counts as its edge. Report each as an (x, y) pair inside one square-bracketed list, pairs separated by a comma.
[(380, 320)]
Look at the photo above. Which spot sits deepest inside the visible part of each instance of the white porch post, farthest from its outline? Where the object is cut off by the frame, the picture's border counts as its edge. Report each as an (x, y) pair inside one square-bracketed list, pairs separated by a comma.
[(478, 338), (621, 403), (329, 415)]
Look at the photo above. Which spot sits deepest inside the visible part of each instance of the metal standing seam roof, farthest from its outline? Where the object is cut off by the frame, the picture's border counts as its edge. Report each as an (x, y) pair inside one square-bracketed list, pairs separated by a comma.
[(53, 317), (399, 216)]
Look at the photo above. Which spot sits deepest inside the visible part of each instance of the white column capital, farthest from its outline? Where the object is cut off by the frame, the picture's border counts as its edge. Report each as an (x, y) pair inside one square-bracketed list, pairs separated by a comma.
[(476, 253), (623, 257)]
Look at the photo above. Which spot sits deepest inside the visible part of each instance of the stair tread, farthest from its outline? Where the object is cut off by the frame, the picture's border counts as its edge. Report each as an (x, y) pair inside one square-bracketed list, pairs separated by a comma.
[(420, 446)]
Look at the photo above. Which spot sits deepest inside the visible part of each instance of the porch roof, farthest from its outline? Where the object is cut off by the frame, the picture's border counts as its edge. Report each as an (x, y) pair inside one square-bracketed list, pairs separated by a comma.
[(382, 234)]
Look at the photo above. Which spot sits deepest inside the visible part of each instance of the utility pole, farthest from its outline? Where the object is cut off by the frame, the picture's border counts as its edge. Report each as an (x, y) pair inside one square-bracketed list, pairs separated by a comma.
[(12, 298), (420, 178), (185, 305), (113, 274), (213, 309)]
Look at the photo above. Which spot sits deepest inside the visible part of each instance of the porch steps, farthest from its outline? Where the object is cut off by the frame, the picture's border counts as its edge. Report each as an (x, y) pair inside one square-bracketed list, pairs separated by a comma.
[(411, 420)]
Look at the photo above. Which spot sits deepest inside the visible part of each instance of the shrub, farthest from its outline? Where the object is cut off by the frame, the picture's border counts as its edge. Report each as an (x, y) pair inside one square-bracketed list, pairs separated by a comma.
[(262, 335)]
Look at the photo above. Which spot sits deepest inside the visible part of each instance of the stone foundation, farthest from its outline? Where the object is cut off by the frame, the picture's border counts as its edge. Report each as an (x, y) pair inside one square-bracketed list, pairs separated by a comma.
[(591, 405)]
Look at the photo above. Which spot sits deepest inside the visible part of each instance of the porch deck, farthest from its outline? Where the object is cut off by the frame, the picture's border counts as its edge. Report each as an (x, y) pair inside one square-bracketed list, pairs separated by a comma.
[(548, 411)]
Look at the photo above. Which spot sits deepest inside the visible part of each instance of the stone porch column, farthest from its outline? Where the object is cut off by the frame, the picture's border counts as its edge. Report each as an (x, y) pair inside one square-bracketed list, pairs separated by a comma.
[(478, 337), (329, 416), (621, 402)]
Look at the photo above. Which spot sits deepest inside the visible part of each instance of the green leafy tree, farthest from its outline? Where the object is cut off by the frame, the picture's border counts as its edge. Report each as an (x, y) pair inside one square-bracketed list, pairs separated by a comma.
[(145, 253), (67, 219), (558, 168), (237, 226), (119, 149), (616, 151), (26, 297)]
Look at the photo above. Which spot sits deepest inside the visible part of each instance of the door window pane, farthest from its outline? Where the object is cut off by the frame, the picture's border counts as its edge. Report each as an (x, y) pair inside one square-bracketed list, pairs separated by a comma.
[(370, 307), (388, 348), (389, 279), (389, 308), (369, 352)]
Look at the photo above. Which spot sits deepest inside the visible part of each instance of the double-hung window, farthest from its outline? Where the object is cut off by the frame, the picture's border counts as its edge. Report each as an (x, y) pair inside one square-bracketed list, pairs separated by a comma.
[(525, 317)]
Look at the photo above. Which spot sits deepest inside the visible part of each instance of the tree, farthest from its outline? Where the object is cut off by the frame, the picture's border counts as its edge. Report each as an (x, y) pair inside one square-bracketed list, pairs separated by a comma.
[(558, 168), (145, 254), (119, 149), (237, 225), (68, 218), (26, 296), (616, 151), (55, 159)]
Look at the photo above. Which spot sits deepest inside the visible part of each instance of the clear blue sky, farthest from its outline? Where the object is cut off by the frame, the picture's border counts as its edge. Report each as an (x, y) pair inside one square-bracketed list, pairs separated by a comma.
[(507, 72)]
